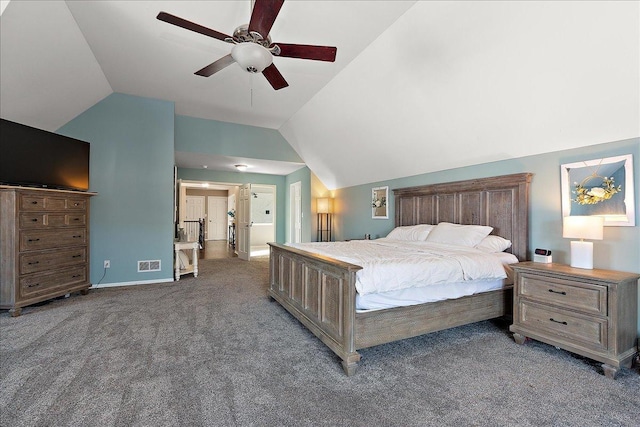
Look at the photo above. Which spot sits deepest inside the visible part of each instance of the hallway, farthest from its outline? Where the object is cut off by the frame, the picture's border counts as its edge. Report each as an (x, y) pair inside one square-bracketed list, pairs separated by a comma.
[(217, 249)]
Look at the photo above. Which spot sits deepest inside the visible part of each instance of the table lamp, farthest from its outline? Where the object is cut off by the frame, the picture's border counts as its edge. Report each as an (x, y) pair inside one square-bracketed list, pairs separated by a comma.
[(582, 227)]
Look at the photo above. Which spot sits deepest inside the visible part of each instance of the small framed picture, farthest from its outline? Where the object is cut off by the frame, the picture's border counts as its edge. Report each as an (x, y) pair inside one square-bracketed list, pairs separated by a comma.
[(379, 197)]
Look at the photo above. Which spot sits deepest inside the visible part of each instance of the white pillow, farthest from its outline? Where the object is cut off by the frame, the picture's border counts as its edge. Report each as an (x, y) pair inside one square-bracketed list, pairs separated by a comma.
[(458, 234), (411, 232), (493, 244)]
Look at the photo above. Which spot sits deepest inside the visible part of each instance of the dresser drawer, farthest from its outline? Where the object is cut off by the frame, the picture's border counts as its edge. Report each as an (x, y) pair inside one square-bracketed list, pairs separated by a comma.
[(583, 330), (41, 220), (586, 297), (49, 239), (51, 220), (52, 260), (34, 284), (31, 202)]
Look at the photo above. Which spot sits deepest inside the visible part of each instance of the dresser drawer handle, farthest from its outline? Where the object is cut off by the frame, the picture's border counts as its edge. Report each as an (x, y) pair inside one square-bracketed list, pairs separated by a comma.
[(34, 203), (34, 219), (557, 292), (76, 256), (76, 275), (76, 219), (76, 204), (34, 240), (77, 237), (33, 285), (34, 262), (557, 321)]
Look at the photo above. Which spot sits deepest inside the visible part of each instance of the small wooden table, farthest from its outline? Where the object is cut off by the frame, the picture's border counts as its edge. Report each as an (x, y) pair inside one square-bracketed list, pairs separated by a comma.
[(193, 268)]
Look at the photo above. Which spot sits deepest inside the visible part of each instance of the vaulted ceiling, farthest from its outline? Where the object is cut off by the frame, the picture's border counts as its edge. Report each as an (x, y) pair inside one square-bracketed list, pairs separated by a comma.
[(416, 86)]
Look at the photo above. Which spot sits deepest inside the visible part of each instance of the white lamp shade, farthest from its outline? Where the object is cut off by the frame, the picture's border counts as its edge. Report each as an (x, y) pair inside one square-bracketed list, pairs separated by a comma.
[(252, 57), (583, 227), (324, 205)]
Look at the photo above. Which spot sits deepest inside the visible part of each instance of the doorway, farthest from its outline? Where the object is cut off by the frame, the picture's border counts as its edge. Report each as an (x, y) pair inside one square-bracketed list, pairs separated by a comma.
[(263, 218), (260, 206), (256, 221)]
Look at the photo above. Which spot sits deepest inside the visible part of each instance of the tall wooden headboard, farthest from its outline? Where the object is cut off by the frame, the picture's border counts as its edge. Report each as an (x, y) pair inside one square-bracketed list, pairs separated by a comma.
[(501, 202)]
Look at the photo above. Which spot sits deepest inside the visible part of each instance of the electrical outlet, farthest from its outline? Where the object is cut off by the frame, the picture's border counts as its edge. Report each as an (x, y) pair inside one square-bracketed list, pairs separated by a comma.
[(107, 263)]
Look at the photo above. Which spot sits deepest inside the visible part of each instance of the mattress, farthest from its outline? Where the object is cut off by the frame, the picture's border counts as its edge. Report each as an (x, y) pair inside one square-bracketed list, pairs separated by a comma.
[(397, 265), (433, 293)]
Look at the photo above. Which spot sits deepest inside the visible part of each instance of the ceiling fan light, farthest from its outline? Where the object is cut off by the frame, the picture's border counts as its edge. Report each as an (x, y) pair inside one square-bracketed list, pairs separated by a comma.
[(251, 56), (241, 168)]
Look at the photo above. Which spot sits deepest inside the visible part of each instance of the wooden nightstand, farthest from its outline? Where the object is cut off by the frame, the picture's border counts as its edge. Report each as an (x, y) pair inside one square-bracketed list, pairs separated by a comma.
[(593, 313)]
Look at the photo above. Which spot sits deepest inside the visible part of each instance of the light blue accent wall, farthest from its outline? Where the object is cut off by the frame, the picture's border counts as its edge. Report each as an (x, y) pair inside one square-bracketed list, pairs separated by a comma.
[(131, 169), (245, 178), (304, 176), (230, 139), (620, 249)]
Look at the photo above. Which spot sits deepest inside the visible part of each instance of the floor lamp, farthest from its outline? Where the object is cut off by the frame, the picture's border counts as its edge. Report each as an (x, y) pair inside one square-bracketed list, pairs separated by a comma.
[(324, 209)]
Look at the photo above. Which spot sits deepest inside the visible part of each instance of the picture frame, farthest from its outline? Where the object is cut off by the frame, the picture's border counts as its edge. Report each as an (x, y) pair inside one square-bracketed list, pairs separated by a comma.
[(379, 205), (602, 187)]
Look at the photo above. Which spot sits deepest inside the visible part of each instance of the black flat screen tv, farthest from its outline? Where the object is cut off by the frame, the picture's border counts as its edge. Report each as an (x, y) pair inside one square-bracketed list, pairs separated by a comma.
[(36, 158)]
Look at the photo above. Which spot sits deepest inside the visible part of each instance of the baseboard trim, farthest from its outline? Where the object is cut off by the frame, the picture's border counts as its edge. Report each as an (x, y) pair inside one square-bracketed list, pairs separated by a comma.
[(137, 282)]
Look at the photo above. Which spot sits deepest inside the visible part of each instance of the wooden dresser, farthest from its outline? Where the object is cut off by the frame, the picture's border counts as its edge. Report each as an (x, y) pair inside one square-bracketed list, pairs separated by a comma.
[(593, 313), (44, 250)]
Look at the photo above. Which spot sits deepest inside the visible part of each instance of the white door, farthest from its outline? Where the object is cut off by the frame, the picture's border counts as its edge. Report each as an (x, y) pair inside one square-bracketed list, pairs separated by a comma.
[(217, 218), (194, 211), (243, 230), (295, 194)]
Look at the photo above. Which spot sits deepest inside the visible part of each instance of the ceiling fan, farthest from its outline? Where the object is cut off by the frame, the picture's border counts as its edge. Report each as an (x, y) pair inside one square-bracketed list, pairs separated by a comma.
[(253, 49)]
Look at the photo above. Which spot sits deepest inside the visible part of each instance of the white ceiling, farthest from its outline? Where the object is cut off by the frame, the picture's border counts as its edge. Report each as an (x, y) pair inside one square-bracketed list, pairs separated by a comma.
[(187, 159), (416, 86)]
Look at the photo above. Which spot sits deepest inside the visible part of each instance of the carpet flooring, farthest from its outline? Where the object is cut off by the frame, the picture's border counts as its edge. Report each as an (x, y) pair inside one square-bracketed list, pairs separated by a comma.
[(216, 351)]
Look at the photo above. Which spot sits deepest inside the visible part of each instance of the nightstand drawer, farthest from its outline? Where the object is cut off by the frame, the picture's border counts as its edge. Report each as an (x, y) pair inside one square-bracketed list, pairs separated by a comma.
[(586, 297), (580, 329)]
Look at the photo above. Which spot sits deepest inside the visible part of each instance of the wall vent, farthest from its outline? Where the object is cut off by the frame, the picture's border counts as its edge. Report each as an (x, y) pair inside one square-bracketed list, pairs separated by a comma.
[(148, 266)]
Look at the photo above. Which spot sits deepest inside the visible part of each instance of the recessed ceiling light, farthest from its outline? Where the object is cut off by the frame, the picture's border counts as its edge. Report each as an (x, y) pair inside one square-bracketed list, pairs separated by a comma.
[(241, 168), (204, 166)]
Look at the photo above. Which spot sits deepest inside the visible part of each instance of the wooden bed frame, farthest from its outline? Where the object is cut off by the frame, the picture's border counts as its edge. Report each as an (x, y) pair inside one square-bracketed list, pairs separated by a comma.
[(320, 291)]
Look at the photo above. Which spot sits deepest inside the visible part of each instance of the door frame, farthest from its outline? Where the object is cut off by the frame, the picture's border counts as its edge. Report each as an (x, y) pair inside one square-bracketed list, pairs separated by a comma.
[(243, 226), (295, 212)]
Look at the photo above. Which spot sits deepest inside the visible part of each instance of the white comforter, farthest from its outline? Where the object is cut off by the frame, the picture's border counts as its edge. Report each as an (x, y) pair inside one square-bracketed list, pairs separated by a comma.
[(393, 264)]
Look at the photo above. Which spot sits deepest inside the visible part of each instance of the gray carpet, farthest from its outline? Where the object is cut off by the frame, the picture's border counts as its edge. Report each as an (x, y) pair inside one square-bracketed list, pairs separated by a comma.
[(215, 351)]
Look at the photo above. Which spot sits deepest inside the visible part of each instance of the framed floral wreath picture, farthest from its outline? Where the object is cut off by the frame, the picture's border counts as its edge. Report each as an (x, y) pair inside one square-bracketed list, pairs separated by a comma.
[(602, 187)]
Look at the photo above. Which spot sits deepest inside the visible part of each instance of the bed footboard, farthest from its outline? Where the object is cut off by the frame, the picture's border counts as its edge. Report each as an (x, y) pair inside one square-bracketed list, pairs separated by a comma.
[(319, 292)]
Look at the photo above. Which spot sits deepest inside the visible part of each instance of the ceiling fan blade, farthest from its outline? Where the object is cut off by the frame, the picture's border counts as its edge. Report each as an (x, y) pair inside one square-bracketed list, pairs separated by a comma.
[(214, 67), (264, 15), (274, 77), (192, 26), (304, 51)]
